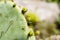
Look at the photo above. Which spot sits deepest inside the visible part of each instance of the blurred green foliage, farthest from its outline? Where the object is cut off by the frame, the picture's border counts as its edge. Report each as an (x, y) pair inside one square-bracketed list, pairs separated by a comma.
[(57, 1)]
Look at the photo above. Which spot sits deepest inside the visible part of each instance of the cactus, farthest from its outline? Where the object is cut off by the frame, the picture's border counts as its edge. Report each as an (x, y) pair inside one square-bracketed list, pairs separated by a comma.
[(13, 25)]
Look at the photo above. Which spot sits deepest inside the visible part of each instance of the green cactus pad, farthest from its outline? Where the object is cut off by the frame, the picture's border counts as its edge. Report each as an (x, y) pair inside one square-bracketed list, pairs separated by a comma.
[(13, 25)]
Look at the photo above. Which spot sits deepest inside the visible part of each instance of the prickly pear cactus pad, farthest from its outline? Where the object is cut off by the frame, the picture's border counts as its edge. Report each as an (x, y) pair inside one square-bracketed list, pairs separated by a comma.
[(13, 25)]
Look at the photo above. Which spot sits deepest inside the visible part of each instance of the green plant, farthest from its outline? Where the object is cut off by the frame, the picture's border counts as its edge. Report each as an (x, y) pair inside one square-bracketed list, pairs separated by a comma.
[(13, 25)]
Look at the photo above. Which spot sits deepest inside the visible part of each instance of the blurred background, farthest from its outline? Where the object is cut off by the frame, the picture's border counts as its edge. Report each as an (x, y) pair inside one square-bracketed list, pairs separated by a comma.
[(43, 16)]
